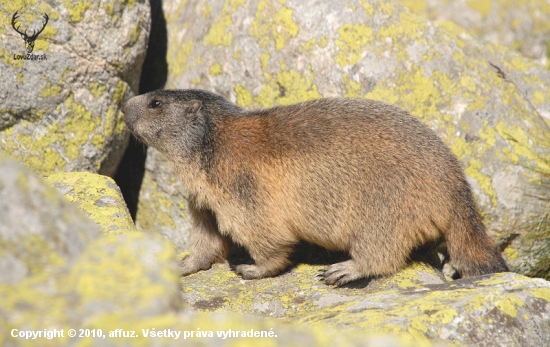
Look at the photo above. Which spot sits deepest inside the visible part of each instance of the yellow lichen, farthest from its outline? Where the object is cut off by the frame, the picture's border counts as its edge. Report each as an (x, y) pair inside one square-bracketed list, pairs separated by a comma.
[(205, 10), (481, 6), (274, 24), (488, 134), (72, 128), (509, 305), (368, 7), (244, 97), (352, 42), (522, 145), (237, 54), (96, 196), (218, 34), (149, 218), (51, 90), (134, 34), (264, 60), (353, 89), (109, 8), (510, 253), (286, 28), (97, 89), (541, 293), (216, 69), (119, 92), (474, 170), (179, 63), (416, 6), (77, 9), (289, 87), (409, 28)]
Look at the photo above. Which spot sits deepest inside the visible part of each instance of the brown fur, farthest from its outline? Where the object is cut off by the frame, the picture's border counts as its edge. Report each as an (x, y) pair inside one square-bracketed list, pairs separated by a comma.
[(353, 175)]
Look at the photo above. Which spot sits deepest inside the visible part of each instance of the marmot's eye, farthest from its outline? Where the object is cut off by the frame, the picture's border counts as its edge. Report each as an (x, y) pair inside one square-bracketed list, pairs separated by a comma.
[(155, 104)]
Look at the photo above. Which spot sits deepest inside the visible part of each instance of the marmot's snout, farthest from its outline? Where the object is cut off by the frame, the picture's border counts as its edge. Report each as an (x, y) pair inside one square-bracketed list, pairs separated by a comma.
[(130, 109)]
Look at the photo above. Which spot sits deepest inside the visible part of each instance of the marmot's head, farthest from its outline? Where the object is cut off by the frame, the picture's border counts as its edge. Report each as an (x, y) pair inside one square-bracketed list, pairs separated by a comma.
[(176, 122)]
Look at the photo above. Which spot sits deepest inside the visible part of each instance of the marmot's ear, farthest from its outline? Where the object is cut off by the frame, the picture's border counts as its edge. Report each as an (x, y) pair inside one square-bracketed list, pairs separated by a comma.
[(194, 106)]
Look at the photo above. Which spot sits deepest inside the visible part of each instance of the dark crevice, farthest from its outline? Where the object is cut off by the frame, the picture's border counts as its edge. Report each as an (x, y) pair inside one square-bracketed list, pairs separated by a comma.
[(155, 67), (153, 76)]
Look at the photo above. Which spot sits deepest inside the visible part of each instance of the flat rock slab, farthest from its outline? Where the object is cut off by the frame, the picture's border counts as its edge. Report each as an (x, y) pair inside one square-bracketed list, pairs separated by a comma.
[(417, 305)]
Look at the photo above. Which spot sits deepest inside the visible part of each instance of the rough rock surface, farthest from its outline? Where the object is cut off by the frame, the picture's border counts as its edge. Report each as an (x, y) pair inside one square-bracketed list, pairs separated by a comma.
[(162, 204), (521, 25), (117, 277), (417, 304), (62, 113), (97, 196), (129, 282), (488, 103), (39, 230)]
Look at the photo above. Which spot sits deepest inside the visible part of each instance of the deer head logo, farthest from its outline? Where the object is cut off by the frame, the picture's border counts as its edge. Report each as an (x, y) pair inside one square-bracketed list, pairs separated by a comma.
[(29, 39)]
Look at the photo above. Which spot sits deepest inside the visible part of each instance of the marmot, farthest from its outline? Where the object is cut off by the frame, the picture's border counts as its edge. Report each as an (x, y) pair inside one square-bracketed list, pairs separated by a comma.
[(354, 175)]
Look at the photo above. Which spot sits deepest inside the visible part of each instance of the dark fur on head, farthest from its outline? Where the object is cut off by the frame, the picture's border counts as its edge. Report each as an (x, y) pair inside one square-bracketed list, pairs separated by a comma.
[(183, 123)]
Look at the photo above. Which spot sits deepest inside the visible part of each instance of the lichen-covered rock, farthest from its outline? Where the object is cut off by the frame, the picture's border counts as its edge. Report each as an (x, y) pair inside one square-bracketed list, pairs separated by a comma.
[(416, 305), (521, 25), (502, 310), (98, 196), (39, 230), (293, 294), (62, 113), (489, 104), (125, 287), (131, 275)]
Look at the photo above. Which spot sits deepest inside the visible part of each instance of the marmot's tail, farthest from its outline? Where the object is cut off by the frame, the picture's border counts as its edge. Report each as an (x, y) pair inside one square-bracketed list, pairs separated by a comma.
[(471, 250)]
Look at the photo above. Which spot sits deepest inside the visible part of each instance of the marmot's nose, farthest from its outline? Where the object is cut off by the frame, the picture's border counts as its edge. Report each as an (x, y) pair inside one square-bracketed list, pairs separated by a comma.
[(125, 107), (130, 111)]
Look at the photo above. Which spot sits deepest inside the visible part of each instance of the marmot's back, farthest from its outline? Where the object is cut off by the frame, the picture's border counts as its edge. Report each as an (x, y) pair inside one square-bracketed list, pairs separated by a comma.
[(352, 163)]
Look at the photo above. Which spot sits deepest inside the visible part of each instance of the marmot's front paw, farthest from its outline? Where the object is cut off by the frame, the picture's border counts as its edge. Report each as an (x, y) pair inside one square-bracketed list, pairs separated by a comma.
[(248, 272), (341, 273), (190, 265)]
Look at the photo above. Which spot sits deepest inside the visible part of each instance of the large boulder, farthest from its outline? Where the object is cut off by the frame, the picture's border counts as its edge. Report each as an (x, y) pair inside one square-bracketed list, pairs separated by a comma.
[(61, 113), (40, 231), (115, 279), (488, 103)]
